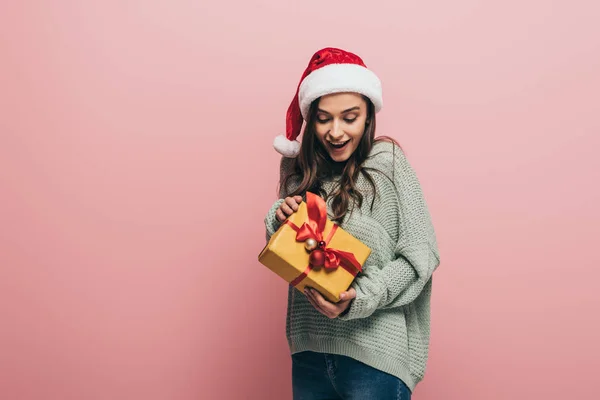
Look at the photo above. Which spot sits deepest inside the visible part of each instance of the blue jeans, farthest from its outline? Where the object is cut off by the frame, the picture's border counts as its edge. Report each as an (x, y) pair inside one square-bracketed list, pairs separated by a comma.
[(318, 376)]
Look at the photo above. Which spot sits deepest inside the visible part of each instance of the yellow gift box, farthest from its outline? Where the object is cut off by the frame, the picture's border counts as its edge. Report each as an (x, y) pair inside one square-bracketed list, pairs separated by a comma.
[(311, 250)]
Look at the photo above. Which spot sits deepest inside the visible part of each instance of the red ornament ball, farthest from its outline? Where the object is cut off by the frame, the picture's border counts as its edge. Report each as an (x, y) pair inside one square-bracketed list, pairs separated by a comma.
[(317, 258)]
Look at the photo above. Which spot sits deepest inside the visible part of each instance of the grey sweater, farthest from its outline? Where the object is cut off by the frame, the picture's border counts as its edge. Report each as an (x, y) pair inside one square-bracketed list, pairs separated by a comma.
[(387, 325)]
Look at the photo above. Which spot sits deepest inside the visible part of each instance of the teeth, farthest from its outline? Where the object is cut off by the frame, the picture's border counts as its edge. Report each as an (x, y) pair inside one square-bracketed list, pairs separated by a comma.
[(339, 144)]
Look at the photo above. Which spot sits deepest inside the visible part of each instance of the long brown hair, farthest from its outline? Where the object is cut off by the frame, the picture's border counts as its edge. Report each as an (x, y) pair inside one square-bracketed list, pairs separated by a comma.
[(313, 165)]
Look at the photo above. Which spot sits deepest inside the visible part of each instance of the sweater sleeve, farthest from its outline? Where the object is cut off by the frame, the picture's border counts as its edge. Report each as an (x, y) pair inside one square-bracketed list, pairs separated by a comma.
[(416, 257), (271, 221)]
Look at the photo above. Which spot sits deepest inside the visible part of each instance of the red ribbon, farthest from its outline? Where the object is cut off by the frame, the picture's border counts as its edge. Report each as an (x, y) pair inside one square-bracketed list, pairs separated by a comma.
[(313, 229)]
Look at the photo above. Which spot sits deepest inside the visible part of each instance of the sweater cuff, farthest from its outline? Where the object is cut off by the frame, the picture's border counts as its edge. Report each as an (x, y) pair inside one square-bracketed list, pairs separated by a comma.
[(271, 221), (362, 306)]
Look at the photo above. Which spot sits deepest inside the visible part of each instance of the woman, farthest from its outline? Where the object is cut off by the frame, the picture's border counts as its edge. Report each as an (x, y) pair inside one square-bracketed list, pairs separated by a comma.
[(373, 344)]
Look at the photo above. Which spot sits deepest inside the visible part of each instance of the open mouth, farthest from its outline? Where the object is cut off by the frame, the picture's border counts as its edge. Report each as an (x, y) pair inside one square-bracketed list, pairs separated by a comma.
[(338, 146)]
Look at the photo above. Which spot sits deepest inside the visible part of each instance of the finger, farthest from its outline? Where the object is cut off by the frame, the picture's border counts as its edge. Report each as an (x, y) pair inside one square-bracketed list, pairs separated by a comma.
[(280, 216), (291, 202), (313, 302), (325, 305), (298, 199), (286, 209), (348, 295)]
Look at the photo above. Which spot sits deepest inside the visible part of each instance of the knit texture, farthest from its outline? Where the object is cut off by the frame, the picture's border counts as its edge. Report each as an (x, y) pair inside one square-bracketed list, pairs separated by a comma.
[(387, 326)]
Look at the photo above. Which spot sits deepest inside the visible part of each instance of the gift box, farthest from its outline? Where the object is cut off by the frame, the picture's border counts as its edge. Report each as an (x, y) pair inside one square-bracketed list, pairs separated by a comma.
[(311, 250)]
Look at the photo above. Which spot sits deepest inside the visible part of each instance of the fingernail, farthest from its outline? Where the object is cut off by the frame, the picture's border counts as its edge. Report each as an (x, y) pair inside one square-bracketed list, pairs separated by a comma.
[(342, 295)]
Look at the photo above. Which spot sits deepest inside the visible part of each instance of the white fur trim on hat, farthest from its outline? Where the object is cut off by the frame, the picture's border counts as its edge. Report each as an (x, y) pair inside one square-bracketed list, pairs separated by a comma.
[(337, 78), (285, 147)]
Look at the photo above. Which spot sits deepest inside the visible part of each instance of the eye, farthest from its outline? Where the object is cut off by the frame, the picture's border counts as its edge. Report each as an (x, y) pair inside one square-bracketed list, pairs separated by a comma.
[(350, 120), (322, 120)]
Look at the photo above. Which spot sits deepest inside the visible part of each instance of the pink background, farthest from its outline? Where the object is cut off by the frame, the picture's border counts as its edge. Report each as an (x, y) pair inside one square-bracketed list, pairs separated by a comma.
[(132, 206)]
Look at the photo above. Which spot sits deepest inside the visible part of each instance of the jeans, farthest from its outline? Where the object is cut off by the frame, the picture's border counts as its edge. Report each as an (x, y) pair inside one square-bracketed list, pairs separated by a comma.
[(318, 376)]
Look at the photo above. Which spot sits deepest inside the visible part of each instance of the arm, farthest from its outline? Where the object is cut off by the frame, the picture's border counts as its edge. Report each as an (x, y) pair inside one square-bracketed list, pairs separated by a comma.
[(271, 221), (401, 280)]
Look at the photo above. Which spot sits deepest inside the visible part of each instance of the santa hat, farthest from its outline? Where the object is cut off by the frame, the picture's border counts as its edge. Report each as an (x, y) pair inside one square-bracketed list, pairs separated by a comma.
[(330, 70)]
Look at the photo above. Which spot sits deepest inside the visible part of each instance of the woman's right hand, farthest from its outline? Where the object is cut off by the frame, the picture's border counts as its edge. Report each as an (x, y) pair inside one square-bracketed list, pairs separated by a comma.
[(288, 207)]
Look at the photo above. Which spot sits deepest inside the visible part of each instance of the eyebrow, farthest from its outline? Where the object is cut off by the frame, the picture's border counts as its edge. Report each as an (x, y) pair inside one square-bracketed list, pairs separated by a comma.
[(343, 112)]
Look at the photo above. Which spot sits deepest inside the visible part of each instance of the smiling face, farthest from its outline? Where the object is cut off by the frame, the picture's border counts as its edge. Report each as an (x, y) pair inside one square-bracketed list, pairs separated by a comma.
[(340, 123)]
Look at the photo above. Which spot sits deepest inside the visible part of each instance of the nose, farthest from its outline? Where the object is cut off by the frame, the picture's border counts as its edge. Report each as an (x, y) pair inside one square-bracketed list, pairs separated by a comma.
[(336, 133)]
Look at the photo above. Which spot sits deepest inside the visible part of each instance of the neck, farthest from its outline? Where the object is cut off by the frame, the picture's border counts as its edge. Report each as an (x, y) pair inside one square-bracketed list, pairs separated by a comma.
[(333, 169)]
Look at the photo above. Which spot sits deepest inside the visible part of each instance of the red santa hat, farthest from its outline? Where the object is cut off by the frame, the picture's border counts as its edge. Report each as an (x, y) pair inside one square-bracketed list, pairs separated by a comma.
[(330, 70)]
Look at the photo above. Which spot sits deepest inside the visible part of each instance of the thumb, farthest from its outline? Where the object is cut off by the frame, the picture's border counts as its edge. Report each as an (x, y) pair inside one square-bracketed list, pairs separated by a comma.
[(298, 199), (348, 295)]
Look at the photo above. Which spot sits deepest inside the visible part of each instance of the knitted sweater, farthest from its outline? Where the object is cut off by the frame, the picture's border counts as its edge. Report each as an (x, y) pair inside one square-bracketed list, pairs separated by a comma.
[(387, 325)]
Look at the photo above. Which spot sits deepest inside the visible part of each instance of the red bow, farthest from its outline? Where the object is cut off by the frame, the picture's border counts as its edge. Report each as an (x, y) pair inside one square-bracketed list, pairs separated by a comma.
[(313, 229)]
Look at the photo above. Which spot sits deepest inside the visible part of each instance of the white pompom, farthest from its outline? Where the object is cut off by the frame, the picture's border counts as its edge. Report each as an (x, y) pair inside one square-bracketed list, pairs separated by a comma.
[(285, 147)]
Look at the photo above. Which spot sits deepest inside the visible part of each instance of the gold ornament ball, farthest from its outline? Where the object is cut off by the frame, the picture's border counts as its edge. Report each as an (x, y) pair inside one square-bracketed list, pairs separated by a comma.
[(310, 244)]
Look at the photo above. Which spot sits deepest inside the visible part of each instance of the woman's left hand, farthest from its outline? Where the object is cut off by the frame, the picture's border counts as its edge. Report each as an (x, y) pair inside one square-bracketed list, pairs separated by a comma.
[(327, 308)]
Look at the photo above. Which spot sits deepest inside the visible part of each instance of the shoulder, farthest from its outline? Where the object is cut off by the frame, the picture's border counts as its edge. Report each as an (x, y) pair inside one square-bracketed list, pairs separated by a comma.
[(391, 160), (386, 155), (286, 167)]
